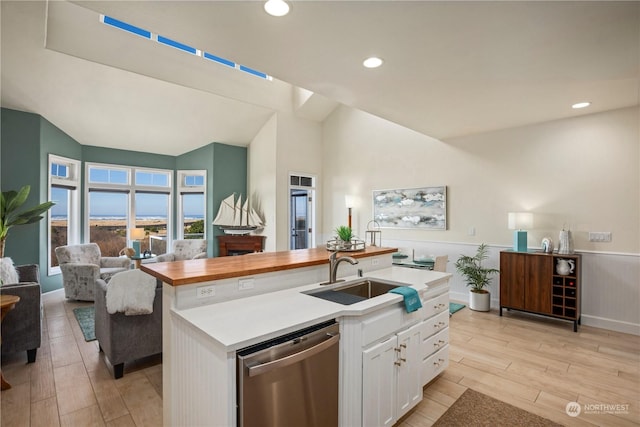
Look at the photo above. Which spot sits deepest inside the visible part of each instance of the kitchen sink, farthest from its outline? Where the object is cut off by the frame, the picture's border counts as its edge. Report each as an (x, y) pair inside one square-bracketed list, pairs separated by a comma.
[(354, 291)]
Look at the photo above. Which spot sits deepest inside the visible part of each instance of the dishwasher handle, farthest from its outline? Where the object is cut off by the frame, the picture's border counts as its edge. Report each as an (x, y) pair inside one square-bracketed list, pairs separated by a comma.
[(293, 358)]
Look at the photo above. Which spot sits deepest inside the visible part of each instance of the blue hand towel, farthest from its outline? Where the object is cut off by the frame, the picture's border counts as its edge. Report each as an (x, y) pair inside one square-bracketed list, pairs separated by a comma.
[(411, 297)]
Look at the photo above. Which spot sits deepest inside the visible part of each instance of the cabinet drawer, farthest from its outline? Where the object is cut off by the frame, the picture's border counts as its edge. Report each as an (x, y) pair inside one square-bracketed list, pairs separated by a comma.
[(435, 364), (434, 343), (436, 305), (382, 325), (435, 324)]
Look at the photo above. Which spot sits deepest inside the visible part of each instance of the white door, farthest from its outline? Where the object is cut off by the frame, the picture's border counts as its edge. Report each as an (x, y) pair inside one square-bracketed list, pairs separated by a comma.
[(379, 384), (409, 379)]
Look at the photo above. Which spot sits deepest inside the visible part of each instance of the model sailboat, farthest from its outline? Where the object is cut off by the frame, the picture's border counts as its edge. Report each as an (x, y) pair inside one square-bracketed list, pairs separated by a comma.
[(234, 217)]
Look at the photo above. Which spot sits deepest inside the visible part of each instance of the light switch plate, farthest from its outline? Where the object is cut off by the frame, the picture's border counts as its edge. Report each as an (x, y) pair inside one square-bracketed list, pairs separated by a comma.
[(599, 236)]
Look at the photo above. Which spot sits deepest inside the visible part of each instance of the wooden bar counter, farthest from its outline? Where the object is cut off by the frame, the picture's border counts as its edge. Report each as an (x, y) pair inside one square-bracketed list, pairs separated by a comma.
[(179, 273)]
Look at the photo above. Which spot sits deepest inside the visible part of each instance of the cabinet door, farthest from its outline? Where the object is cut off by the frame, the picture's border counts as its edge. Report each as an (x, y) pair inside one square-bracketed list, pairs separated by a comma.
[(410, 365), (379, 384), (512, 280), (539, 271)]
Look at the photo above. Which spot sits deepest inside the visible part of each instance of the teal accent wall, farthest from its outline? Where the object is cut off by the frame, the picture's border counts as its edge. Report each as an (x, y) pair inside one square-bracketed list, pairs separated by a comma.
[(20, 148), (229, 176), (226, 167), (27, 139)]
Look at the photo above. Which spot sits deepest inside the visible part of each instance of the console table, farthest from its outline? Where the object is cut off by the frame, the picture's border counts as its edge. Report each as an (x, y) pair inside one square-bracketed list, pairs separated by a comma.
[(240, 244), (534, 282)]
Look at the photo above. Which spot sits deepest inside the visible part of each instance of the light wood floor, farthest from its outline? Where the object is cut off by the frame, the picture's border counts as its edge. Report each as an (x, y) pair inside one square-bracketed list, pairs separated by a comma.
[(534, 363)]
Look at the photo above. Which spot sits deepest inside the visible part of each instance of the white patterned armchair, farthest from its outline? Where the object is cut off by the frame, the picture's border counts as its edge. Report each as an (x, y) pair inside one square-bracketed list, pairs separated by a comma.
[(82, 265), (185, 249)]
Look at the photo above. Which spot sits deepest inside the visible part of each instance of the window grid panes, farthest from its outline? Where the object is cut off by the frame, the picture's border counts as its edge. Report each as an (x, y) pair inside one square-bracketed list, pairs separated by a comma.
[(63, 219), (115, 207)]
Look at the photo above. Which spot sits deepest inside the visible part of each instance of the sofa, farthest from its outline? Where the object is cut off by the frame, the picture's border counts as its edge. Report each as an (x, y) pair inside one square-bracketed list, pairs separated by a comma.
[(125, 338), (22, 326), (82, 265)]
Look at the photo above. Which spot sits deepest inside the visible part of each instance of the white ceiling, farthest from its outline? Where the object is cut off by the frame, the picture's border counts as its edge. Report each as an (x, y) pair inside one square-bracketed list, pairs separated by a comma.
[(451, 68)]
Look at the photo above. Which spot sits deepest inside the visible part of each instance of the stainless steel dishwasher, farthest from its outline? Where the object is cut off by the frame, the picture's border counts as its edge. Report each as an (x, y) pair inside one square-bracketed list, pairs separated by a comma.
[(291, 381)]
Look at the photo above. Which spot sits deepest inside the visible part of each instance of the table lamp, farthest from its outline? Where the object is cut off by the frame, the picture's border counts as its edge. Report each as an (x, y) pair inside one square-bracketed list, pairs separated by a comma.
[(349, 201), (520, 222), (136, 235)]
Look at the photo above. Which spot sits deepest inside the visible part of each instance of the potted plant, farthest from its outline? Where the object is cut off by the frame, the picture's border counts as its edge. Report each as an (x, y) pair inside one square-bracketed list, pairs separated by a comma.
[(477, 277), (345, 234), (10, 203)]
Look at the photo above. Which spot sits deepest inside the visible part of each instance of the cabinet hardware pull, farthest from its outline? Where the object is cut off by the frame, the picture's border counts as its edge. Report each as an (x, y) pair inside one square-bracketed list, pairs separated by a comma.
[(397, 363), (403, 346), (397, 349), (402, 360)]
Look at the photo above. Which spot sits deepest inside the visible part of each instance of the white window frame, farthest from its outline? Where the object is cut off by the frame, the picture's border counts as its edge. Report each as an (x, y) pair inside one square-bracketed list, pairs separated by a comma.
[(131, 188), (72, 182), (183, 188)]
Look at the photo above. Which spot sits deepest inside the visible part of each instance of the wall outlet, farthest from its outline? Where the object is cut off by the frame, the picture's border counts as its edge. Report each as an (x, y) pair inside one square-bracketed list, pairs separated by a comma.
[(375, 261), (245, 284), (600, 236), (205, 291)]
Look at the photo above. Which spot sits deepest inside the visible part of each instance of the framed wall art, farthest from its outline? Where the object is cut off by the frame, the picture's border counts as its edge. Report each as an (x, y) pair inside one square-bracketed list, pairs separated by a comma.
[(417, 208)]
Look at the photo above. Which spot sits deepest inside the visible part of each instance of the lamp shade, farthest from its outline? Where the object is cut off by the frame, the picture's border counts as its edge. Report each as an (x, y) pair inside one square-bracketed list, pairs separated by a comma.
[(520, 220), (349, 201), (137, 233)]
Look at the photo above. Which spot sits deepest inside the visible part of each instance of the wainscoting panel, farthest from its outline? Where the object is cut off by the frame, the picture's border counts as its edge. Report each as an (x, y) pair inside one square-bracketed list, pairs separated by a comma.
[(610, 282)]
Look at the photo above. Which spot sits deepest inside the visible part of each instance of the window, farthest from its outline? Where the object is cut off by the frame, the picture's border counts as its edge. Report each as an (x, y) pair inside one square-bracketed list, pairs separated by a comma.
[(120, 198), (63, 219), (191, 204)]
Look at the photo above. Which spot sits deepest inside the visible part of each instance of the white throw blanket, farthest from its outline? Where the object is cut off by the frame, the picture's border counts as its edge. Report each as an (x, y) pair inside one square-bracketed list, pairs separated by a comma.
[(131, 292)]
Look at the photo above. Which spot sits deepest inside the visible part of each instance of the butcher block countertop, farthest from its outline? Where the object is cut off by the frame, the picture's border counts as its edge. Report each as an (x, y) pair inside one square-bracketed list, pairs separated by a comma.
[(203, 270)]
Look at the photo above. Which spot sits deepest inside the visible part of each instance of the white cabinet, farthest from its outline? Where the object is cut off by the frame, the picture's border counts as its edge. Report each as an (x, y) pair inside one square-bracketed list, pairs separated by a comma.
[(434, 332), (390, 384)]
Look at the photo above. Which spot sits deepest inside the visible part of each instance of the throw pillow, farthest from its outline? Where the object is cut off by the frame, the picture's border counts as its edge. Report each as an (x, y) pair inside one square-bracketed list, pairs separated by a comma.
[(8, 273)]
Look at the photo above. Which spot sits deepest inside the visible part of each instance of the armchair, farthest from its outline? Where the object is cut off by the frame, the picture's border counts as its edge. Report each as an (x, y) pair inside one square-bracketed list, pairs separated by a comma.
[(82, 265), (22, 326), (125, 338), (185, 249)]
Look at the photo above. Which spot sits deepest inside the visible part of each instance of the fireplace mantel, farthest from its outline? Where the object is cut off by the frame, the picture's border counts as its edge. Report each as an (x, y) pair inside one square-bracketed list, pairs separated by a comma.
[(239, 244)]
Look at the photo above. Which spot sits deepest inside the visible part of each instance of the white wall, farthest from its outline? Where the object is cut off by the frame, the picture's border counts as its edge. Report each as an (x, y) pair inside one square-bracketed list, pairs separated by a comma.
[(262, 177), (285, 144), (300, 151), (582, 173)]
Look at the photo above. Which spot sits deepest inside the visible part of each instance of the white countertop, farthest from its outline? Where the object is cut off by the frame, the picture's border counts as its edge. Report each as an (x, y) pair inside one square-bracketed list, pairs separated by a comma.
[(242, 322)]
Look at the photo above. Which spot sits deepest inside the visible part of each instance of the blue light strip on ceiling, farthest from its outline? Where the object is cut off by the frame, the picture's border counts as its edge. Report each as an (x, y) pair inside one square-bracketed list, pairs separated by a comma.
[(127, 27), (177, 45), (252, 71), (219, 60)]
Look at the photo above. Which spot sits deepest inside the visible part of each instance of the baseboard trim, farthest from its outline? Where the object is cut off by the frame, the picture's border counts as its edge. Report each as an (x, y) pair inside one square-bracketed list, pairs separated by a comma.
[(586, 320), (610, 324)]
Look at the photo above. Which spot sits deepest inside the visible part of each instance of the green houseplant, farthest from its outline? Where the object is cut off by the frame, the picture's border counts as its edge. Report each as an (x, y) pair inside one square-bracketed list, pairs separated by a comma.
[(344, 233), (10, 215), (477, 277)]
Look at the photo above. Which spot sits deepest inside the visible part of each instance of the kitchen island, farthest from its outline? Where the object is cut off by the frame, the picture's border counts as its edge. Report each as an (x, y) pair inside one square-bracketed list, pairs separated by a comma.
[(214, 307)]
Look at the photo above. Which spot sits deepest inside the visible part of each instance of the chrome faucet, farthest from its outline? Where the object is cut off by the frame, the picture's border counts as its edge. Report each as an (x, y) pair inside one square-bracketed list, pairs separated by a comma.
[(333, 265)]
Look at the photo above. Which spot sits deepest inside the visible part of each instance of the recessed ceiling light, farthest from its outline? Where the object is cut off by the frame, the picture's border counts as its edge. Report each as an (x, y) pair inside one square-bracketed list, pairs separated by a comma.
[(372, 62), (580, 105), (276, 7)]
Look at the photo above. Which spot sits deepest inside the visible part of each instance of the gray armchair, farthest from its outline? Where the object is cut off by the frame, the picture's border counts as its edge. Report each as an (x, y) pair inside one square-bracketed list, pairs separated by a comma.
[(125, 338), (185, 249), (82, 265), (22, 326)]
